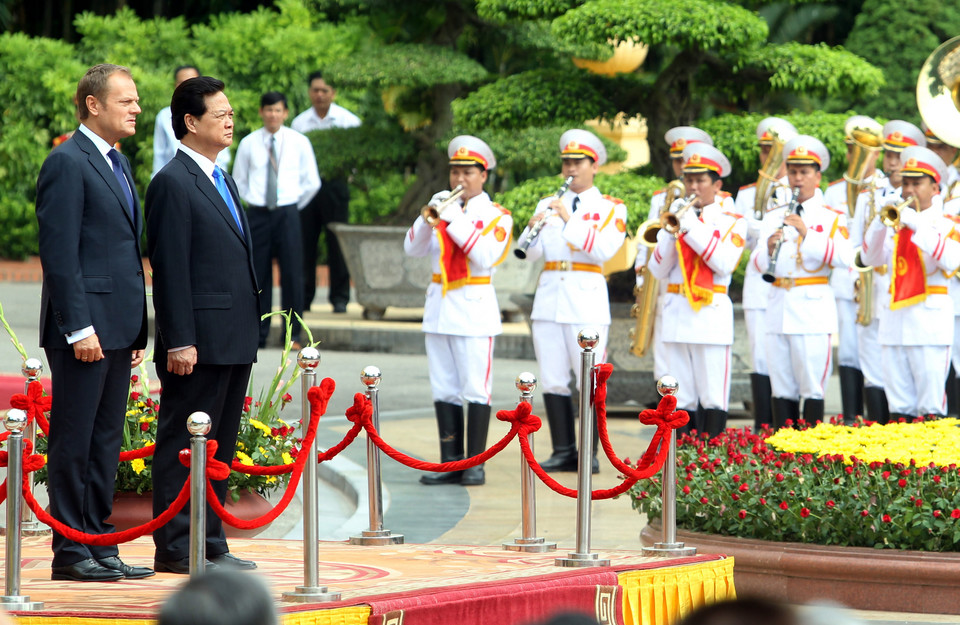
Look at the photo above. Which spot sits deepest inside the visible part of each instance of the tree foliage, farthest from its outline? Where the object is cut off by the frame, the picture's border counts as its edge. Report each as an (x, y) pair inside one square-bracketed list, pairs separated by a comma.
[(406, 65)]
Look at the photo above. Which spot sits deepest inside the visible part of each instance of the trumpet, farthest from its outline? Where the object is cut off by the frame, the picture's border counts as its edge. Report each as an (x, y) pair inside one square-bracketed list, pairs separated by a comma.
[(670, 220), (890, 214), (431, 214), (521, 251), (770, 274)]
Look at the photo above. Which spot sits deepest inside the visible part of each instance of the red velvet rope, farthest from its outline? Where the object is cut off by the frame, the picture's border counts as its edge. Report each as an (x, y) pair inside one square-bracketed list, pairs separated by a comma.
[(34, 403)]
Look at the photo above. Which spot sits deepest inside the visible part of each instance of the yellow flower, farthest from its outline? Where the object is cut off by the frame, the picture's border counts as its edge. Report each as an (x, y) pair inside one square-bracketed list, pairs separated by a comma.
[(245, 459), (241, 446), (260, 426), (271, 479), (138, 465), (264, 452), (287, 458)]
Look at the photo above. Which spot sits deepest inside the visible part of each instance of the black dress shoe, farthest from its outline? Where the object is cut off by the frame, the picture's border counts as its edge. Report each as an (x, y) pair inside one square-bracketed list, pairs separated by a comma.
[(114, 563), (180, 567), (85, 571), (339, 308), (230, 561)]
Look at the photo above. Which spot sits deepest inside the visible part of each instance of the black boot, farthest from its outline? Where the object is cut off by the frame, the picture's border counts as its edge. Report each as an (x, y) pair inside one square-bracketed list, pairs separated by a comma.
[(876, 401), (715, 421), (783, 410), (478, 422), (951, 390), (851, 393), (812, 410), (562, 435), (762, 409), (450, 427)]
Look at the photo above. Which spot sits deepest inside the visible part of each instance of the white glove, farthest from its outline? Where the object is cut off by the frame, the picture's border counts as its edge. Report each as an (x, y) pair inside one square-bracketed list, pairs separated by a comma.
[(909, 218), (688, 220), (451, 212), (438, 199)]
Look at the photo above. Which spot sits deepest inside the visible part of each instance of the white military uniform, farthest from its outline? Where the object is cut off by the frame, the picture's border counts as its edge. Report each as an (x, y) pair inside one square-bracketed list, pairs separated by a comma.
[(842, 281), (916, 338), (572, 292), (951, 209), (656, 342), (697, 343), (802, 313), (461, 323)]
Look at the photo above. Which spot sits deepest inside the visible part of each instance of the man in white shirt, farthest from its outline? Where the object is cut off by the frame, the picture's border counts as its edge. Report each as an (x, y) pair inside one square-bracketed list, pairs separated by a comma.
[(165, 144), (276, 174), (332, 203)]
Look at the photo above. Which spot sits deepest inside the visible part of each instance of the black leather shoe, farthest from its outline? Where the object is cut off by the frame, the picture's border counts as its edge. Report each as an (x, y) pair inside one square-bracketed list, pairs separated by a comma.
[(180, 567), (85, 571), (230, 561), (114, 563)]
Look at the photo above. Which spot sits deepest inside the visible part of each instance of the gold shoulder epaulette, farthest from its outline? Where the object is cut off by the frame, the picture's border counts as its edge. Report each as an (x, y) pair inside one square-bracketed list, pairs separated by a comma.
[(836, 182), (502, 209), (725, 194), (659, 191), (615, 200), (747, 186), (835, 210)]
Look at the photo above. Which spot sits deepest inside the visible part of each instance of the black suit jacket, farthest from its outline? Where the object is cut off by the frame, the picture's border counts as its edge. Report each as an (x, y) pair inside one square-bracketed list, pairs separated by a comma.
[(89, 250), (204, 285)]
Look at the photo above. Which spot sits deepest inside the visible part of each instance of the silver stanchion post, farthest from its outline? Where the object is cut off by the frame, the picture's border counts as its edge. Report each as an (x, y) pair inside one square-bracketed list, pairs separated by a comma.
[(588, 339), (32, 369), (198, 424), (311, 592), (667, 385), (376, 535), (529, 542), (15, 422)]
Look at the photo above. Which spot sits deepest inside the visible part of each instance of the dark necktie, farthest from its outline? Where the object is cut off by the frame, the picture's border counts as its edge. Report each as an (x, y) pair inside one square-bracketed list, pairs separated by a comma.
[(227, 197), (576, 203), (272, 166), (122, 179)]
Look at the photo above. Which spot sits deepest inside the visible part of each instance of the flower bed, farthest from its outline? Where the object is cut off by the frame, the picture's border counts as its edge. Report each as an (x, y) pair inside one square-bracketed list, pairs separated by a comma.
[(895, 486)]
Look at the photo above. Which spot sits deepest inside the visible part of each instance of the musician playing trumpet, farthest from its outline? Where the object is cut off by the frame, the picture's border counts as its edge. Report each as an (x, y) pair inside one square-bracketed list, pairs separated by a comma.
[(921, 246), (583, 229), (465, 239), (696, 262), (801, 312)]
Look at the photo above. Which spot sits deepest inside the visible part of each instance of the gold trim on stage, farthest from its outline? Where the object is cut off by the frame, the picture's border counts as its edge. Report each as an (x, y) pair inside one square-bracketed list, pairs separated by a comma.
[(663, 596)]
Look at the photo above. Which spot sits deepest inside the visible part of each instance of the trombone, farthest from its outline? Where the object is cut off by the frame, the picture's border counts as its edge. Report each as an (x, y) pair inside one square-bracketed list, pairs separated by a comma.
[(648, 230), (431, 214), (890, 214)]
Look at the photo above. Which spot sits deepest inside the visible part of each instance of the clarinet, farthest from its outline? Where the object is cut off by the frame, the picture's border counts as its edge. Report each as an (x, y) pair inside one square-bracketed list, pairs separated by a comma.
[(770, 274), (521, 251)]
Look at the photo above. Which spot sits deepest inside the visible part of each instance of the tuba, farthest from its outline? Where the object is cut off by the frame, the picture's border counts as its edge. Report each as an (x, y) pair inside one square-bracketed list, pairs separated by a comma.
[(646, 293), (863, 285), (767, 182), (867, 143), (938, 92)]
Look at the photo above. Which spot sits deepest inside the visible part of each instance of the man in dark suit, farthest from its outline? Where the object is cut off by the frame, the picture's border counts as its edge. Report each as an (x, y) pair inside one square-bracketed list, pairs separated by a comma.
[(207, 309), (93, 317)]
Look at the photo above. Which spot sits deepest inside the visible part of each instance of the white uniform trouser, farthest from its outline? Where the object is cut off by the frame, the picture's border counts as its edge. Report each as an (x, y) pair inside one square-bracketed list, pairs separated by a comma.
[(914, 378), (799, 364), (703, 374), (660, 367), (871, 357), (558, 352), (956, 344), (461, 368), (755, 319), (847, 355)]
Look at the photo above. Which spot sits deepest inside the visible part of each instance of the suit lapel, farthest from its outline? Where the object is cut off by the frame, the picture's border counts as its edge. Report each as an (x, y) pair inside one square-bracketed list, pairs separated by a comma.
[(206, 187), (99, 163)]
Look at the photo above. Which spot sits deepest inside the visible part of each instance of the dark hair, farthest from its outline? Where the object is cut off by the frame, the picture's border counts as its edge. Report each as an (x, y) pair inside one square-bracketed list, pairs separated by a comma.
[(220, 598), (317, 75), (94, 83), (714, 176), (190, 99), (183, 67), (272, 97), (742, 611)]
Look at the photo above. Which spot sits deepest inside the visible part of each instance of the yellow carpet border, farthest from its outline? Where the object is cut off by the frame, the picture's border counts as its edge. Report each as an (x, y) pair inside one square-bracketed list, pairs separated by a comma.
[(663, 596)]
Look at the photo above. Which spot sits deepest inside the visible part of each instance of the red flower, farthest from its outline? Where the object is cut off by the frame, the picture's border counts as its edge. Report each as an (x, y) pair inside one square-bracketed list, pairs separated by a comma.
[(287, 397), (744, 488), (955, 514), (779, 477), (902, 483), (735, 497), (804, 512), (886, 518), (134, 378), (864, 513), (144, 426), (918, 503), (644, 494), (848, 470), (936, 479), (936, 514), (886, 474), (763, 501), (704, 500), (784, 505), (831, 504), (134, 396), (736, 478), (294, 452), (742, 514), (686, 490)]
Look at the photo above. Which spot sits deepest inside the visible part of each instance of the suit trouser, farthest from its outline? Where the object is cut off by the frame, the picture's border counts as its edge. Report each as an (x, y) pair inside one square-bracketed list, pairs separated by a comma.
[(755, 319), (461, 368), (558, 352), (799, 364), (330, 205), (219, 391), (703, 373), (86, 430), (276, 234), (914, 378)]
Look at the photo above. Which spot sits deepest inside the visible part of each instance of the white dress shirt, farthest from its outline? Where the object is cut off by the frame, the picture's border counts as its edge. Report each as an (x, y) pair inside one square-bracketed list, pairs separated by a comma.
[(336, 117), (298, 179)]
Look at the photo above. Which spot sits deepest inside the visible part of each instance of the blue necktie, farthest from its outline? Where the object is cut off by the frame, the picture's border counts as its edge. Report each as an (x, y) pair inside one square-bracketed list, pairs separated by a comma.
[(225, 194), (118, 172)]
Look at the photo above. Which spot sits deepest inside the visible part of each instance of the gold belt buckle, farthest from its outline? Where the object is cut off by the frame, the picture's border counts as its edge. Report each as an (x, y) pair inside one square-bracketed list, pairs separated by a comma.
[(787, 283), (881, 270), (564, 265)]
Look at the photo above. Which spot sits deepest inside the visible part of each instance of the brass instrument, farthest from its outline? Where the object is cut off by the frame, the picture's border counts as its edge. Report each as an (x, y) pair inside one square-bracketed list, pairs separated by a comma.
[(521, 251), (863, 286), (431, 214), (890, 214), (938, 92), (867, 143), (647, 293), (770, 274), (670, 220), (767, 182)]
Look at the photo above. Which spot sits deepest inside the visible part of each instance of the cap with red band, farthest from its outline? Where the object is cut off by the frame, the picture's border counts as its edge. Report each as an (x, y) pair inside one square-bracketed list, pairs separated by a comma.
[(899, 135), (807, 150), (468, 150), (918, 161), (680, 137), (700, 157), (771, 126), (577, 143)]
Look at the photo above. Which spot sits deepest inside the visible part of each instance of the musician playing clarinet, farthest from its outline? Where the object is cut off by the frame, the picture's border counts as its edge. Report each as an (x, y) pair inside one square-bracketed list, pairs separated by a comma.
[(696, 262), (803, 243), (583, 229), (465, 237)]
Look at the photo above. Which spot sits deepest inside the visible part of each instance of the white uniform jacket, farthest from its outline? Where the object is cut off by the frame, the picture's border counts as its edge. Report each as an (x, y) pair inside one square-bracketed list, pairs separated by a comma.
[(483, 232), (929, 322), (592, 236), (756, 292), (951, 209), (843, 280), (805, 308), (718, 238), (884, 194)]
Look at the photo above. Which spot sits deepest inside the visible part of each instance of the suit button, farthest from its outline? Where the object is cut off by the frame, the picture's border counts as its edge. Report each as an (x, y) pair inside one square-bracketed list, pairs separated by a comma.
[(140, 273)]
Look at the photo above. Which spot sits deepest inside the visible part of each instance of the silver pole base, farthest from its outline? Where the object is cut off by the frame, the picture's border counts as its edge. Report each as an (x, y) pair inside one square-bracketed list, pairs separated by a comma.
[(377, 538), (310, 594), (664, 550), (530, 545), (34, 528), (20, 603), (579, 560)]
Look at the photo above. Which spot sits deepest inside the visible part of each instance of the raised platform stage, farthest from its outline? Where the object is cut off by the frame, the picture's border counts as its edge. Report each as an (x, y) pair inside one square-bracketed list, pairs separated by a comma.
[(404, 585)]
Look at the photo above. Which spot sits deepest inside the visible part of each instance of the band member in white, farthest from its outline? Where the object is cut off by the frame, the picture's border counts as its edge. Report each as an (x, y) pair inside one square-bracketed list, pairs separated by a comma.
[(756, 292), (695, 261), (801, 248), (583, 230), (922, 248), (465, 240)]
